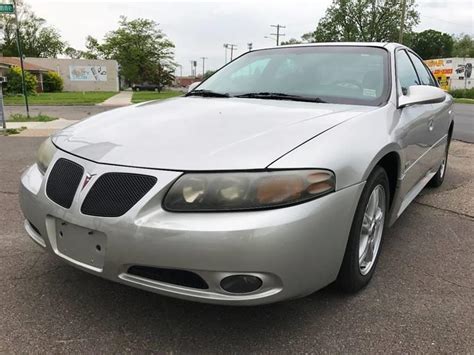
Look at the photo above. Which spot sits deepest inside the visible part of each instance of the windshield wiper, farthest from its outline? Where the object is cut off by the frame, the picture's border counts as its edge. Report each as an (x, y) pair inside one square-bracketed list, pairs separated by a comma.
[(279, 96), (206, 93)]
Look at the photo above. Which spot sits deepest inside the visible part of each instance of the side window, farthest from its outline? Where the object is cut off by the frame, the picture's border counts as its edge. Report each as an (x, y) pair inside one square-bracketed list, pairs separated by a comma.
[(406, 74), (425, 76)]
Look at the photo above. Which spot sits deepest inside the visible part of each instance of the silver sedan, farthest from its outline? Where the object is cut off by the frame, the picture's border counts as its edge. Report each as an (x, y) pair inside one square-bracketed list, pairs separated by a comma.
[(268, 181)]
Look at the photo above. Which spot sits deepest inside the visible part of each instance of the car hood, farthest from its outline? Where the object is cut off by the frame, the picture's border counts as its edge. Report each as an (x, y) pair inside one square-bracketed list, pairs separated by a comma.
[(196, 133)]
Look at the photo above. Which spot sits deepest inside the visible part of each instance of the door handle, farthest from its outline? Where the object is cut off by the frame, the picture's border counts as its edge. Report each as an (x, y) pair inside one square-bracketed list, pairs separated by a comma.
[(430, 125)]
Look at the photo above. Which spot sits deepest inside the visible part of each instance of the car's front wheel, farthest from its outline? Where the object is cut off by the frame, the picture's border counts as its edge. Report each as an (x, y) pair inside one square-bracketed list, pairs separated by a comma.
[(367, 229)]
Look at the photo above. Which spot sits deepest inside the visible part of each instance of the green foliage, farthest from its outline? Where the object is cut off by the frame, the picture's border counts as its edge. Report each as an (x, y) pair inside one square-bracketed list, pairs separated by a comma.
[(207, 74), (364, 20), (12, 131), (62, 98), (431, 44), (463, 46), (291, 41), (14, 81), (18, 117), (38, 39), (142, 50), (52, 82), (142, 96), (463, 93)]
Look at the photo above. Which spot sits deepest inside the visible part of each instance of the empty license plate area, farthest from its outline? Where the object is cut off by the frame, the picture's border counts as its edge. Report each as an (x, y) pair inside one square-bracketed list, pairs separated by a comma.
[(81, 245)]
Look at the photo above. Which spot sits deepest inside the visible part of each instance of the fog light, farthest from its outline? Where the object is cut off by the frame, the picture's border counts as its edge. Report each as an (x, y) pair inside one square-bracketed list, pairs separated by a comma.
[(241, 283)]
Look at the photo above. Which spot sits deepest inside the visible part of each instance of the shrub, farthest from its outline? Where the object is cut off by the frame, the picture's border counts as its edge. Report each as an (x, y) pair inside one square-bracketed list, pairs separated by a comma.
[(463, 93), (52, 82), (14, 81)]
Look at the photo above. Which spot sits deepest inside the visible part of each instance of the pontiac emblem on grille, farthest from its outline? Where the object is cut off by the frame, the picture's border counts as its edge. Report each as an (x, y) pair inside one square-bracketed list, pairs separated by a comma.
[(87, 179)]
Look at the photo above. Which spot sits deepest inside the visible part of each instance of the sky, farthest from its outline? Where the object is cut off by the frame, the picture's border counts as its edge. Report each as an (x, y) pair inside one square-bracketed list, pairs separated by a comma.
[(200, 28)]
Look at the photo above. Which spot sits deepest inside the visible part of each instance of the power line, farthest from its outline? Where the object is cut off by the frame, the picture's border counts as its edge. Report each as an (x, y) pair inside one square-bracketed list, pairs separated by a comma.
[(232, 47)]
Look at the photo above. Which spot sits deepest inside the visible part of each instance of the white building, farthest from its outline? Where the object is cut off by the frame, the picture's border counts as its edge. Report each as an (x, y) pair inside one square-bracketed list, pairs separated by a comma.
[(82, 74)]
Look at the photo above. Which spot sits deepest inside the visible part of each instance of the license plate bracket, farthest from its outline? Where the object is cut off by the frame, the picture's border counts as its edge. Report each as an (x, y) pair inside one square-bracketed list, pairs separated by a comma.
[(81, 245)]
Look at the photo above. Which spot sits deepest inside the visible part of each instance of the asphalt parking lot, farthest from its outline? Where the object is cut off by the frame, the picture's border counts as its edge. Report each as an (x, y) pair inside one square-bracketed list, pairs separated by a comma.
[(420, 300)]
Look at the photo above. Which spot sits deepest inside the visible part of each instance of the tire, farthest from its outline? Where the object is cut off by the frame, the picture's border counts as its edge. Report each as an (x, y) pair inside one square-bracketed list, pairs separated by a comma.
[(363, 246), (437, 180)]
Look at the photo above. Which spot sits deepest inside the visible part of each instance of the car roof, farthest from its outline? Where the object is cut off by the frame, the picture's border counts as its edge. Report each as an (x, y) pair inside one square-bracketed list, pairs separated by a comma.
[(388, 45)]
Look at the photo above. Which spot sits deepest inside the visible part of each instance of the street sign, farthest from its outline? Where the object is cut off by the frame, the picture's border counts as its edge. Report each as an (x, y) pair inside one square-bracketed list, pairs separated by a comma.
[(7, 9)]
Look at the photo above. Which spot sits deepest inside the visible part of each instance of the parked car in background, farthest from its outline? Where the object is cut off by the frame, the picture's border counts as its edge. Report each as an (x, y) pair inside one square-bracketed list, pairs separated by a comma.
[(147, 87), (268, 181)]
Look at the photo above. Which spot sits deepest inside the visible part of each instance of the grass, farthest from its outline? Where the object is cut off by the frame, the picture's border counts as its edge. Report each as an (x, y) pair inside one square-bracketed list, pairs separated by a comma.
[(464, 101), (18, 117), (141, 96), (61, 98), (11, 131)]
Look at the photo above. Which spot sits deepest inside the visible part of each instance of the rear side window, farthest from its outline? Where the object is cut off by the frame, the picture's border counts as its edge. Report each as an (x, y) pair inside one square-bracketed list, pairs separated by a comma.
[(406, 74), (425, 76)]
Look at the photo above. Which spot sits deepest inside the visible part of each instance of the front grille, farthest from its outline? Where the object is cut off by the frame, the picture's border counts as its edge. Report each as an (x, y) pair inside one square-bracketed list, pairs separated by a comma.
[(63, 182), (170, 276), (113, 194)]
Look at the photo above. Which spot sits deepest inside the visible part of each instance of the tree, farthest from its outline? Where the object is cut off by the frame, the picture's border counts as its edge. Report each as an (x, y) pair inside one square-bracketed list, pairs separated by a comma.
[(431, 44), (14, 81), (463, 46), (291, 41), (364, 20), (207, 74), (142, 50), (38, 39), (52, 82)]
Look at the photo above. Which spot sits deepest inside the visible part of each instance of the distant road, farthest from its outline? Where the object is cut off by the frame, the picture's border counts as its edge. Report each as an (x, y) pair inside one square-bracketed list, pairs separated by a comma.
[(464, 122)]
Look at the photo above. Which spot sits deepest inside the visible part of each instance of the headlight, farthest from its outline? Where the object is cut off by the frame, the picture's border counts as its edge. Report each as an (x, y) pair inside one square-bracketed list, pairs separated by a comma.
[(235, 191), (45, 155)]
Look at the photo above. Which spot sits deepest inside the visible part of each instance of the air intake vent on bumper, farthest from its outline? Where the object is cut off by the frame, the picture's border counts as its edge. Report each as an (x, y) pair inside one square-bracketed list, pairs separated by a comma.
[(63, 182), (113, 194)]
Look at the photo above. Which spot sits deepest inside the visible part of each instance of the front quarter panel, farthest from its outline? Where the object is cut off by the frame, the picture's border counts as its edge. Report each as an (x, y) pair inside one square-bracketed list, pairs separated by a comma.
[(352, 149)]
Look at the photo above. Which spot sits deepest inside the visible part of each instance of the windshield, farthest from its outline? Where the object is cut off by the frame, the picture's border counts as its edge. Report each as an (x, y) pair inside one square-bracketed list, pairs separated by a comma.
[(342, 74)]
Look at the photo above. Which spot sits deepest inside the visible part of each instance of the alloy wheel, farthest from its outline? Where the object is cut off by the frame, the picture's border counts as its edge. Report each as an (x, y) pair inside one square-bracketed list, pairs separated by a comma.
[(372, 229)]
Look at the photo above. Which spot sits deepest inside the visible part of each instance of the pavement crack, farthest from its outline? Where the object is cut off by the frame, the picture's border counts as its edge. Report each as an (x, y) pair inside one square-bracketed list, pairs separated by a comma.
[(8, 192), (445, 280), (460, 214)]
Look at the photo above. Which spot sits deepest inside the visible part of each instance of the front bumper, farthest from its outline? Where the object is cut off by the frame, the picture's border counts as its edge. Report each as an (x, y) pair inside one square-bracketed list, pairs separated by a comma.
[(294, 251)]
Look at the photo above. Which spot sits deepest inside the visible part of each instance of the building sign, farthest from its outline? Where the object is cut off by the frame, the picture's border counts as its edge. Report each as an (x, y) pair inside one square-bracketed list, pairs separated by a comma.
[(7, 8), (87, 73), (452, 73)]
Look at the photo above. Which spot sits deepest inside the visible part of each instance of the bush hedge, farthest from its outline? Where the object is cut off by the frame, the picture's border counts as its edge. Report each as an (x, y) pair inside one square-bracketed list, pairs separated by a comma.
[(14, 81), (463, 93), (52, 82)]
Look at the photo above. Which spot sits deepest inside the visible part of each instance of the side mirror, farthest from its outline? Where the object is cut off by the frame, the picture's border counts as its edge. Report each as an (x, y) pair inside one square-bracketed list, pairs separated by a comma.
[(193, 86), (421, 94)]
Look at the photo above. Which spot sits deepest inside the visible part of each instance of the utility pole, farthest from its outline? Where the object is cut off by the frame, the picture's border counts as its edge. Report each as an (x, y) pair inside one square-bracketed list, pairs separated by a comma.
[(232, 48), (2, 112), (203, 65), (226, 46), (193, 68), (402, 21), (20, 53), (278, 34)]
